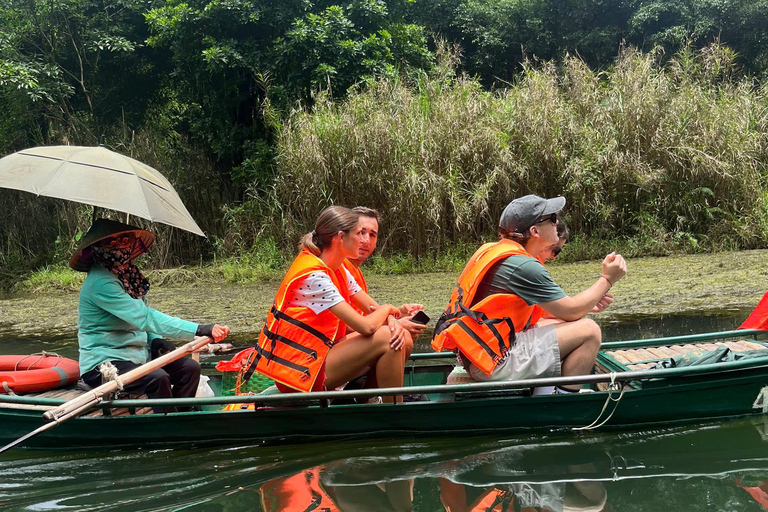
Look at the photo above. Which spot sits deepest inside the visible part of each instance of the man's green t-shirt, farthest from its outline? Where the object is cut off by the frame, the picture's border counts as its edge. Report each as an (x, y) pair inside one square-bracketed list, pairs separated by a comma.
[(524, 276)]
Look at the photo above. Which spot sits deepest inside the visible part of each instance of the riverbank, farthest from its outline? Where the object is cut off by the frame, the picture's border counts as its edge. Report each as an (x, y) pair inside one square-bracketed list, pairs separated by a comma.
[(703, 283)]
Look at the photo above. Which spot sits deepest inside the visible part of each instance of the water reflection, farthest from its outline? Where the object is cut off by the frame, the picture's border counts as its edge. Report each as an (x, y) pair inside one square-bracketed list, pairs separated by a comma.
[(713, 466), (706, 467)]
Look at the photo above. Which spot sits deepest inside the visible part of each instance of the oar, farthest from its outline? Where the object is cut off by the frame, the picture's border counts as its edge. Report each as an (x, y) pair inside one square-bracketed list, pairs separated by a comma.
[(82, 403)]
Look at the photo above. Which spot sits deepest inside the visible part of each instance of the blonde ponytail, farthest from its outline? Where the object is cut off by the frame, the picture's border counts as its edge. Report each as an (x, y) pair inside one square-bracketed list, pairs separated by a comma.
[(308, 242)]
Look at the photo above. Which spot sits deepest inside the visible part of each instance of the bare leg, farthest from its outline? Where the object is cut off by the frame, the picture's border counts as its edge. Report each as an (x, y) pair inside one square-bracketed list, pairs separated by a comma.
[(579, 342), (354, 353)]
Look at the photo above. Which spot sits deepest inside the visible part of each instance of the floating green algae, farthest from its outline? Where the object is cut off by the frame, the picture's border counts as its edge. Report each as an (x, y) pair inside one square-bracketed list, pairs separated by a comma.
[(704, 283)]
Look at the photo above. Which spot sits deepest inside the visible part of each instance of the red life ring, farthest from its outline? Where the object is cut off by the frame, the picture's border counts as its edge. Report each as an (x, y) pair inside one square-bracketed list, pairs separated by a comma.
[(36, 372)]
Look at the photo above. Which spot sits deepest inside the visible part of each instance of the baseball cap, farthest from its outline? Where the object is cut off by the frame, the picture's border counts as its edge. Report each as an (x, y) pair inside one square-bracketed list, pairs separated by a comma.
[(523, 212)]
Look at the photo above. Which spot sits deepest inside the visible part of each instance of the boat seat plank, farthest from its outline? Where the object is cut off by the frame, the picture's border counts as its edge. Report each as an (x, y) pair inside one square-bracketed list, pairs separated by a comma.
[(753, 345), (619, 356), (657, 352), (736, 346)]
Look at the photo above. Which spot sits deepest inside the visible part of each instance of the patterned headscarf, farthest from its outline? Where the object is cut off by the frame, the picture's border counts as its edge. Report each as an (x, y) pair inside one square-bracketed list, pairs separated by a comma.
[(118, 261)]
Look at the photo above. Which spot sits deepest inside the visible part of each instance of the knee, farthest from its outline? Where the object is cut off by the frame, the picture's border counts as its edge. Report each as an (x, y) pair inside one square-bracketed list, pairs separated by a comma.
[(381, 338), (158, 382), (159, 376), (408, 347), (592, 332)]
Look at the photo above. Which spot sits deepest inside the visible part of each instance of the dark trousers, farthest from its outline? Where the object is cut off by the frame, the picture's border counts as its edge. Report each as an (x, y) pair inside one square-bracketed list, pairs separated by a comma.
[(178, 379)]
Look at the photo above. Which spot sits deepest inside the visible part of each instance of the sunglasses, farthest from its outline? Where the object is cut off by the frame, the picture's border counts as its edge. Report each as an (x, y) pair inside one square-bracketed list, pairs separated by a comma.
[(551, 218)]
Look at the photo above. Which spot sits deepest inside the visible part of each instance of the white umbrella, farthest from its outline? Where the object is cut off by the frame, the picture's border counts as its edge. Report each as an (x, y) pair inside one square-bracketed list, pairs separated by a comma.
[(99, 177)]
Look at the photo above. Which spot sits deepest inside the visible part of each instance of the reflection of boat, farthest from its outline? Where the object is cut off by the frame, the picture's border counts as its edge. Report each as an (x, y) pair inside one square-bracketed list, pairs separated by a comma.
[(676, 468), (637, 396), (553, 472)]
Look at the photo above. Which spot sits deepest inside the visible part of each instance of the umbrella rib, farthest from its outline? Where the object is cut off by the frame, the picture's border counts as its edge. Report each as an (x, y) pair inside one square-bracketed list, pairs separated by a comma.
[(94, 166)]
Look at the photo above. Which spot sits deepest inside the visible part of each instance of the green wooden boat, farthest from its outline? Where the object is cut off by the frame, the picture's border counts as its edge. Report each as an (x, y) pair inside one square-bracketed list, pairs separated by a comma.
[(627, 391)]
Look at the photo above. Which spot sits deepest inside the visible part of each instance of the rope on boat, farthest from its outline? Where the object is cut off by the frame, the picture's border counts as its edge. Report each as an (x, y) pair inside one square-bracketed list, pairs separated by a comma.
[(109, 372), (8, 389), (42, 355), (615, 467), (613, 386), (762, 400)]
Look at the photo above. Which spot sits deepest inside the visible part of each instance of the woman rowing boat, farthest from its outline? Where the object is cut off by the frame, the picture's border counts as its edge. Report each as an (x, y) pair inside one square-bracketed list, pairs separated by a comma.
[(115, 324)]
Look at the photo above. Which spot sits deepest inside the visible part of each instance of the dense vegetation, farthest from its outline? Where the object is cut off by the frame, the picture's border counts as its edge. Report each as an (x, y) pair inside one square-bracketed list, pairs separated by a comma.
[(650, 116)]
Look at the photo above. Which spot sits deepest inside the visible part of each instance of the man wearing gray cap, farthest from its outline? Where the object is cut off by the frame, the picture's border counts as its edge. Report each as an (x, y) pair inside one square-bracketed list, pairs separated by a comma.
[(502, 293)]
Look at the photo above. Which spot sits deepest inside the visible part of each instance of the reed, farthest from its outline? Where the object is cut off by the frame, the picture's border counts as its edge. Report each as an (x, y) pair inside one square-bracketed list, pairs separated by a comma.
[(655, 156)]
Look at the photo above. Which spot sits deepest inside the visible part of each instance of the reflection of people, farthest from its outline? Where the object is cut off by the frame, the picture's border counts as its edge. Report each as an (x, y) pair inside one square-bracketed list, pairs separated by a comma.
[(303, 345), (116, 325), (306, 491), (297, 493), (524, 497), (393, 496), (759, 492), (491, 317), (369, 235)]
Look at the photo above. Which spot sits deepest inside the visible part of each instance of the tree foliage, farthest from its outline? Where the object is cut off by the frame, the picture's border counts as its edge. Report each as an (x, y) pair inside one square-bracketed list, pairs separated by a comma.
[(203, 88)]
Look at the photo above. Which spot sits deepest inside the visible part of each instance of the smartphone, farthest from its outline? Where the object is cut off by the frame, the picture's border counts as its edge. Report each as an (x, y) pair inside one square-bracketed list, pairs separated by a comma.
[(420, 318)]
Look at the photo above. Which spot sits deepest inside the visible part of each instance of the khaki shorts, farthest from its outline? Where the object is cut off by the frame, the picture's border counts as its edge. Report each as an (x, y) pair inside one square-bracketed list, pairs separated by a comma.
[(534, 355)]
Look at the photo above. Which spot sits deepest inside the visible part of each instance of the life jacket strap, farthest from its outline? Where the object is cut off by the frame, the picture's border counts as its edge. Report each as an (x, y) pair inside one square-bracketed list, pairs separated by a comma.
[(282, 339), (488, 350), (269, 356), (279, 315), (461, 311)]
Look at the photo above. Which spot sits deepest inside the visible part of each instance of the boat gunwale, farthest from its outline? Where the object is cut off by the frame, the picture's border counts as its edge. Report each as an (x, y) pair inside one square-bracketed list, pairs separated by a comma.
[(303, 398)]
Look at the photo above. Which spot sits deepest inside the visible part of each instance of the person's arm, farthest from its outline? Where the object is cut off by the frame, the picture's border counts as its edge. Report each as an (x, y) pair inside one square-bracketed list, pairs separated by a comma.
[(365, 325), (111, 297), (364, 301), (576, 307), (410, 309)]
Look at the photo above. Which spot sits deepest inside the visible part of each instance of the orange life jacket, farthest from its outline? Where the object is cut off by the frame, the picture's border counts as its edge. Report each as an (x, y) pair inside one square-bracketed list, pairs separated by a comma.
[(294, 341), (298, 493), (357, 274), (485, 332), (359, 279), (495, 500)]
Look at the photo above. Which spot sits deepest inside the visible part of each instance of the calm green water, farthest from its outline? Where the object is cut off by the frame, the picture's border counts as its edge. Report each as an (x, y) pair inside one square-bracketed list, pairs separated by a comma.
[(701, 467)]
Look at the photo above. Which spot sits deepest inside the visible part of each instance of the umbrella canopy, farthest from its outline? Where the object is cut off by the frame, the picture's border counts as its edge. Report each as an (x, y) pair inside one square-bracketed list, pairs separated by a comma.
[(99, 177)]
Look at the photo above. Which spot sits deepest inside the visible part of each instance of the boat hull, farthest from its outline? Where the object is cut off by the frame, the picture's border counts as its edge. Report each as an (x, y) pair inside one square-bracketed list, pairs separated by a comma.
[(668, 401)]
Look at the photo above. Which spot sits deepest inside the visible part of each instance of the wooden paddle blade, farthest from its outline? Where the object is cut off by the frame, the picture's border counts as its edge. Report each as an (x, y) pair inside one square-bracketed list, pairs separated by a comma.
[(758, 319)]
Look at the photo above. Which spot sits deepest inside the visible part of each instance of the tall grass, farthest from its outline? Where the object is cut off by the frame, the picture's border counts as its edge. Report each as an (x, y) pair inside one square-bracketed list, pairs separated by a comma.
[(658, 156)]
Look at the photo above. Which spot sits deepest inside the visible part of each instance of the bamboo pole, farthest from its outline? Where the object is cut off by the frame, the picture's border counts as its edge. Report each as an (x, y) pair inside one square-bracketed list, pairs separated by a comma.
[(96, 395)]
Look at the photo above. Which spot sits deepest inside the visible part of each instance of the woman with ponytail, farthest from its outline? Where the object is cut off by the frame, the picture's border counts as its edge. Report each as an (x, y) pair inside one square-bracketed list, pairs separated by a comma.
[(303, 345)]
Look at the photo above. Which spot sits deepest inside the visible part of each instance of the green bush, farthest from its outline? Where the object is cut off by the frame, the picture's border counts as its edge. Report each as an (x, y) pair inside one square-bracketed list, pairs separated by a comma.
[(662, 157)]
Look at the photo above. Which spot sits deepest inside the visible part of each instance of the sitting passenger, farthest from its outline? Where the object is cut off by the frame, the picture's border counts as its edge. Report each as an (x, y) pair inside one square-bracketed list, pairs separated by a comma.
[(303, 345), (369, 235), (115, 324), (491, 318)]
